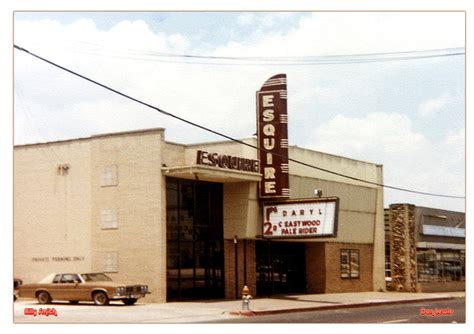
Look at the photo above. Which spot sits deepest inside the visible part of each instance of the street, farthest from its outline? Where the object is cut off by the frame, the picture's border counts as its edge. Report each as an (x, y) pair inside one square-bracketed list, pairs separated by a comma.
[(396, 313)]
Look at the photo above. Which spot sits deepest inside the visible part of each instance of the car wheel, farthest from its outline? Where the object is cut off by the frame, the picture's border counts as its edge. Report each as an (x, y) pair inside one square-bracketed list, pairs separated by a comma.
[(44, 297), (100, 298), (74, 302), (129, 301)]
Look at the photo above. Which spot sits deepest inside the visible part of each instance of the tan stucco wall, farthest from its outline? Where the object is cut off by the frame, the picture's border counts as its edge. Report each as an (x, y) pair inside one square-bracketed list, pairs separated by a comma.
[(379, 238), (357, 207), (241, 210)]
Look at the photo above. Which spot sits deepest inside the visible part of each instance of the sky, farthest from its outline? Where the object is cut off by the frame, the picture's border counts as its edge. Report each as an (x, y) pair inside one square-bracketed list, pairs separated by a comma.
[(407, 115)]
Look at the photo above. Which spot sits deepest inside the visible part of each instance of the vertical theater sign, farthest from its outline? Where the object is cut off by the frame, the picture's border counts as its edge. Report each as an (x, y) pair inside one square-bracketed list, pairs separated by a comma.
[(282, 217), (272, 132)]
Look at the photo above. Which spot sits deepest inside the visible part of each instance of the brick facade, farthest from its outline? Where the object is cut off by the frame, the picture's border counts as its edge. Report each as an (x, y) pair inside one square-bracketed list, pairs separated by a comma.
[(334, 282), (316, 267), (229, 267)]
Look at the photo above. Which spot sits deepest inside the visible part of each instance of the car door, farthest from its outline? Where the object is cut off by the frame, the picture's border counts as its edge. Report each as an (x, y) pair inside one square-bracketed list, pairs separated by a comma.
[(67, 287), (81, 290), (54, 289)]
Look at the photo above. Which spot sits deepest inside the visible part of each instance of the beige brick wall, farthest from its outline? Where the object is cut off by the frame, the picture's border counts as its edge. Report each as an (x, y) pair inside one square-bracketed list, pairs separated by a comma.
[(57, 225), (51, 211), (139, 198)]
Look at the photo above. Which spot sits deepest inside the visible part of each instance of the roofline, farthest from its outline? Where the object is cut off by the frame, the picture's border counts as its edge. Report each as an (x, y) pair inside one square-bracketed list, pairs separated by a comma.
[(217, 142), (94, 136), (151, 130)]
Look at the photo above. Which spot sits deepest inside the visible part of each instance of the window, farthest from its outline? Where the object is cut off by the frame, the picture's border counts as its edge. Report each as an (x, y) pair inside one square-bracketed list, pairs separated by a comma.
[(57, 278), (350, 263), (96, 277), (108, 219), (70, 278), (109, 262), (440, 265), (195, 241), (109, 176)]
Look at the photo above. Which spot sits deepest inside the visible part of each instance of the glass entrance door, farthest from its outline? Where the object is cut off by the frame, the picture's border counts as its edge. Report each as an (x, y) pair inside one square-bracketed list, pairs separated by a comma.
[(195, 262), (281, 268)]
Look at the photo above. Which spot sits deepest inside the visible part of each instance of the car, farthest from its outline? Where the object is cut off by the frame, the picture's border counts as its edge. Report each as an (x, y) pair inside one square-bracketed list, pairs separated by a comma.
[(16, 283), (75, 287)]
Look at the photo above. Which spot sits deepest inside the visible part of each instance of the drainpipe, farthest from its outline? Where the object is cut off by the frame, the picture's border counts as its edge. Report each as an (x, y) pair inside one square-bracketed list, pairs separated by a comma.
[(236, 268)]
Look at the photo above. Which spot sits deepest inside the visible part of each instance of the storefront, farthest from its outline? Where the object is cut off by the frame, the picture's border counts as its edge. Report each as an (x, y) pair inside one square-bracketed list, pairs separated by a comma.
[(430, 243)]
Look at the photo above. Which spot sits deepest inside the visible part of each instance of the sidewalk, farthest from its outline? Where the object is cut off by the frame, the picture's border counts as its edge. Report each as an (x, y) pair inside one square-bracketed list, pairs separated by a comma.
[(301, 303), (203, 311)]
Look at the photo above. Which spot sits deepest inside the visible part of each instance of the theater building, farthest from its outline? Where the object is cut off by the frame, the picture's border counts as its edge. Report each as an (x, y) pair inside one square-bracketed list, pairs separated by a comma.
[(142, 209), (201, 221)]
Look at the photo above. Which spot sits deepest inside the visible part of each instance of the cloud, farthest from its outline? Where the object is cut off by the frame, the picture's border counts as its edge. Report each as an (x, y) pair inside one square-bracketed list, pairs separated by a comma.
[(432, 106), (259, 20), (410, 160), (374, 136), (331, 33)]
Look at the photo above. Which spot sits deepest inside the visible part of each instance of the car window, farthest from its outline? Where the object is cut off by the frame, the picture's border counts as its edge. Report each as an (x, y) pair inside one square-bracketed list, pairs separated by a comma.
[(96, 277), (56, 278), (70, 278)]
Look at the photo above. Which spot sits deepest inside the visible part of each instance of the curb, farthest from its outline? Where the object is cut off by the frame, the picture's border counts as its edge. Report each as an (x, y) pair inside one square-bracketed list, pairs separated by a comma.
[(333, 307)]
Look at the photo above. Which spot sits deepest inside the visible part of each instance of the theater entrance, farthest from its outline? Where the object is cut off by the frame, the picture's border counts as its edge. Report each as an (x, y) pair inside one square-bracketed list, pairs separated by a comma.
[(194, 222), (281, 267)]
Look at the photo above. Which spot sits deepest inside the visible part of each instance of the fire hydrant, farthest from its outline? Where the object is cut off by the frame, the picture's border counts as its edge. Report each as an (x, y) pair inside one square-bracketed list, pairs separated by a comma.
[(246, 296)]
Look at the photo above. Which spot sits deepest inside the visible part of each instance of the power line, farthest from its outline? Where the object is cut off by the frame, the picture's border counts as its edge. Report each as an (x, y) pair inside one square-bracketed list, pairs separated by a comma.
[(437, 52), (144, 51), (226, 136), (304, 58), (287, 61)]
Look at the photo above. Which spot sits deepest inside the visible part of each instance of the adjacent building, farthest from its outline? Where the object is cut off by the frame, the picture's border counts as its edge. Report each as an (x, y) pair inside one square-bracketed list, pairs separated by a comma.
[(188, 221), (425, 249)]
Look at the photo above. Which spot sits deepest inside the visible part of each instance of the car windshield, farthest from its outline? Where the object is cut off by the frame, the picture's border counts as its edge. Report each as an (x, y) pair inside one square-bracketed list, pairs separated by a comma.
[(95, 277)]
